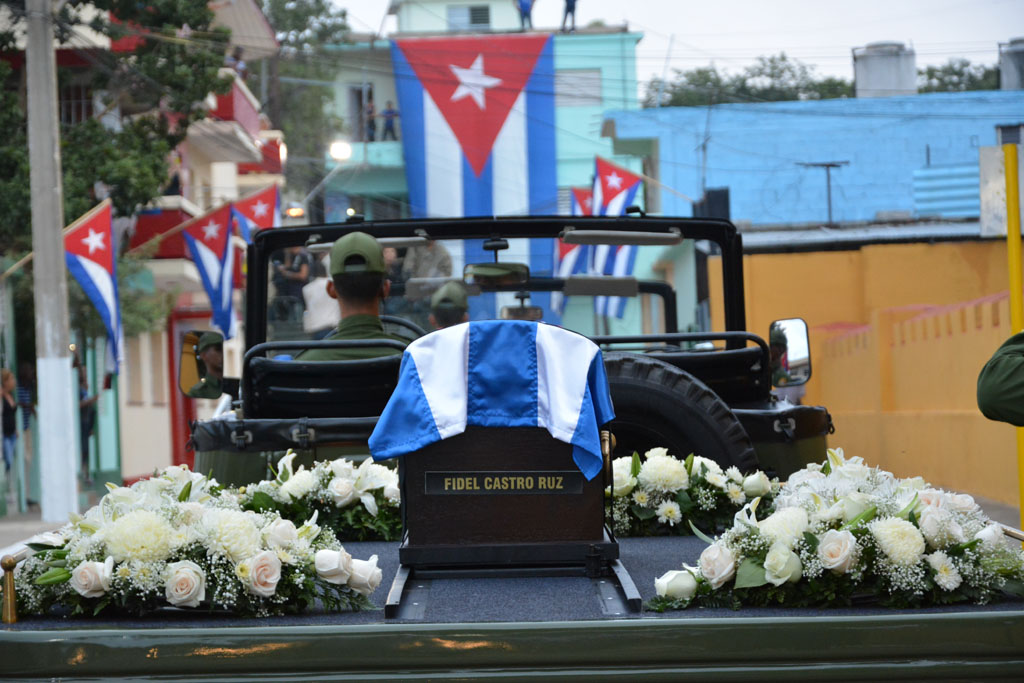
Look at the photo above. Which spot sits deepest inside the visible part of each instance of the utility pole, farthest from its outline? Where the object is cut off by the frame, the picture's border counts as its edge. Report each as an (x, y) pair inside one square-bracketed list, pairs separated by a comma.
[(828, 166), (56, 387)]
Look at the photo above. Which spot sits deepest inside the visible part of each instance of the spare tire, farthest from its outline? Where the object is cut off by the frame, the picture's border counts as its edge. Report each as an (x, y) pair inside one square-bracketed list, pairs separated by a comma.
[(657, 404)]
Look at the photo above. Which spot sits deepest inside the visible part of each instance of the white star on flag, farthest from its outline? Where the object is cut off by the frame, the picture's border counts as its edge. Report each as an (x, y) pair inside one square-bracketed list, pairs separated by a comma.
[(614, 181), (259, 209), (588, 202), (473, 82), (210, 231), (94, 241)]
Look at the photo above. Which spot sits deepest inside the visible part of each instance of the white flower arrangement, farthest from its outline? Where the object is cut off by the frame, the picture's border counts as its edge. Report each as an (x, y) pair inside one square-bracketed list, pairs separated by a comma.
[(842, 531), (355, 503), (661, 494), (177, 540)]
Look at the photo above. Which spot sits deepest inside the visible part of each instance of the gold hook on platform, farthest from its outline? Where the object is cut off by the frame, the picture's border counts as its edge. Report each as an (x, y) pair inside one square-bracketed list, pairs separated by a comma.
[(10, 609)]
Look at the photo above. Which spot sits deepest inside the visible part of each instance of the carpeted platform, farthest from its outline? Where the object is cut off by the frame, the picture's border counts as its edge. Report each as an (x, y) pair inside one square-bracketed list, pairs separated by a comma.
[(480, 600)]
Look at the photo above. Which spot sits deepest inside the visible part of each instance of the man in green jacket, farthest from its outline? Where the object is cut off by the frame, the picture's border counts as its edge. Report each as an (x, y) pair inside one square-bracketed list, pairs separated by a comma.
[(359, 284), (1001, 383)]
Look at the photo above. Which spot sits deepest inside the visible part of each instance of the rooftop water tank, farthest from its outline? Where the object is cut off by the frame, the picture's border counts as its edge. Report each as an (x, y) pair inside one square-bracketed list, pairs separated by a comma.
[(884, 69), (1011, 65)]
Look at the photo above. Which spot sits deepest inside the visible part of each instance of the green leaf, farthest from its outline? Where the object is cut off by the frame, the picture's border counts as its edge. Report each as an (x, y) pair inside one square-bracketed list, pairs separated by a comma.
[(689, 463), (811, 540), (1014, 587), (53, 576), (685, 502), (262, 502), (642, 512), (57, 563), (826, 468), (186, 491), (42, 547), (863, 517), (909, 510), (700, 534), (960, 548), (634, 467), (750, 574)]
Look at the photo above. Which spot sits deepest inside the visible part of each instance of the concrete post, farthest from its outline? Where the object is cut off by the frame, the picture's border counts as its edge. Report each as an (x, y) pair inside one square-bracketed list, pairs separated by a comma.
[(58, 444)]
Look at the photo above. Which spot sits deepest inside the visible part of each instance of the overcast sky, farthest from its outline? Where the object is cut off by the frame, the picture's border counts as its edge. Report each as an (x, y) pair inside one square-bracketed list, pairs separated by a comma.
[(732, 33)]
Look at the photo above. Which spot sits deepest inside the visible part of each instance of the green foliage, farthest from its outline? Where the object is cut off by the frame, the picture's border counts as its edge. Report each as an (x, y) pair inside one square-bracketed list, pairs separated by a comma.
[(773, 78), (15, 235), (957, 75)]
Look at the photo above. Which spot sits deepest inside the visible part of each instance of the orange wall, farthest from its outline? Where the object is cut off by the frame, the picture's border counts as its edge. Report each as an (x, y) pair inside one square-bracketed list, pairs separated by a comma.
[(898, 336)]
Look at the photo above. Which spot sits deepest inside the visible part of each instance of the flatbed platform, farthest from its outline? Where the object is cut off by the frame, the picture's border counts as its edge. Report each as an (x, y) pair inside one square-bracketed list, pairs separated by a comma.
[(558, 627)]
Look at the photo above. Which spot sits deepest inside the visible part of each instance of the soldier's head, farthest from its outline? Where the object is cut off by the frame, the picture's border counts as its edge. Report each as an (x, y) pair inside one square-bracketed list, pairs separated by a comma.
[(448, 305), (358, 273)]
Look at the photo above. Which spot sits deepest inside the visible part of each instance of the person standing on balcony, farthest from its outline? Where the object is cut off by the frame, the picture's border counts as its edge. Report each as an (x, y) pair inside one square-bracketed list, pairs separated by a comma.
[(525, 8), (371, 121), (570, 11), (389, 115)]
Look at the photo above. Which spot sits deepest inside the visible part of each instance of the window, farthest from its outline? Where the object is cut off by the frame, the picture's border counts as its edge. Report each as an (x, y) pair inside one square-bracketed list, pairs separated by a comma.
[(578, 88), (75, 104), (133, 363), (469, 17), (1009, 135), (157, 373)]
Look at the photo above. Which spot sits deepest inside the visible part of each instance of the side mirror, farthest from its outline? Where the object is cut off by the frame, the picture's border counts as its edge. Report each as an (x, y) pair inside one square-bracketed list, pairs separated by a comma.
[(495, 274), (201, 366), (790, 351)]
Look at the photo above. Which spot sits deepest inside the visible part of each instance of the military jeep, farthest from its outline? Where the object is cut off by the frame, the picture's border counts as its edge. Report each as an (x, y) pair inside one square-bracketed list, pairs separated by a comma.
[(705, 392)]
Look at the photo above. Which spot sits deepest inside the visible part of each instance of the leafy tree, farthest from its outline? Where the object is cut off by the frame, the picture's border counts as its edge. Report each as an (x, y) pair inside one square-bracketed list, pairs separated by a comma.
[(301, 110), (774, 78), (957, 75)]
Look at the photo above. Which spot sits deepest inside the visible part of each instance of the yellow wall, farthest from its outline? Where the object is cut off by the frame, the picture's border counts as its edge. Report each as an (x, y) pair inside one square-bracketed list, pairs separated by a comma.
[(898, 336)]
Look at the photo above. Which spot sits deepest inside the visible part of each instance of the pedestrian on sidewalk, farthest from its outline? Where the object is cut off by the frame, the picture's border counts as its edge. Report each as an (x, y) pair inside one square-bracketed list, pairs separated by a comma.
[(10, 411)]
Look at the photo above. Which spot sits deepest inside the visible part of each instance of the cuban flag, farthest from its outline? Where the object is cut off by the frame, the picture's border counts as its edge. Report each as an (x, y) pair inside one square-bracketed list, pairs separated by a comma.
[(256, 212), (615, 190), (478, 134), (209, 242), (572, 259), (512, 374), (91, 256)]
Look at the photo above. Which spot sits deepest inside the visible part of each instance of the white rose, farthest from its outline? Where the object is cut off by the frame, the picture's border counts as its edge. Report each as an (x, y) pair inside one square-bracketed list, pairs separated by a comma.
[(343, 468), (782, 565), (803, 477), (992, 535), (185, 585), (757, 484), (366, 576), (939, 528), (962, 502), (299, 484), (393, 493), (717, 565), (280, 533), (852, 471), (342, 492), (854, 504), (931, 498), (785, 526), (122, 495), (623, 481), (838, 551), (177, 473), (914, 483), (262, 573), (191, 512), (713, 467), (92, 579), (676, 584), (333, 566)]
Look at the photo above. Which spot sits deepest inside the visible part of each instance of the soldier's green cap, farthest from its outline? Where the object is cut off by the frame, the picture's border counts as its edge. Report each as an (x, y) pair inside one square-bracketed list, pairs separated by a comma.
[(209, 339), (368, 249), (450, 294)]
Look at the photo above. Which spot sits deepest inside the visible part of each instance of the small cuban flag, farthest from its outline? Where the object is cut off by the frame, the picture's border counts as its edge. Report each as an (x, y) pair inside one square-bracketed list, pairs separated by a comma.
[(615, 190), (258, 211), (91, 256), (572, 259), (512, 373), (209, 242)]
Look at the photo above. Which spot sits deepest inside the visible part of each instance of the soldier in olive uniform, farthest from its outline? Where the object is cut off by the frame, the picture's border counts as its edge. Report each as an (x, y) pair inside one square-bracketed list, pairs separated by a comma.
[(1001, 383), (448, 305), (359, 284)]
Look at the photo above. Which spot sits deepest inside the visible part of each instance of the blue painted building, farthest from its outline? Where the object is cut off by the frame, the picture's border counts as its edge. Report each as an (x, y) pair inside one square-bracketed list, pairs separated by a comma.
[(911, 156)]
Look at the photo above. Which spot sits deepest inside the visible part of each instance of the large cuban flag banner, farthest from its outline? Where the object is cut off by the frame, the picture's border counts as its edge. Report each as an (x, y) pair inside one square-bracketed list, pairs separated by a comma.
[(91, 256), (478, 133), (258, 211), (209, 242), (615, 190)]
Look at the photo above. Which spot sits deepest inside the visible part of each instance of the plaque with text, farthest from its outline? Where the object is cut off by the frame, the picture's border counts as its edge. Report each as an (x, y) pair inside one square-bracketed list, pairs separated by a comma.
[(502, 483)]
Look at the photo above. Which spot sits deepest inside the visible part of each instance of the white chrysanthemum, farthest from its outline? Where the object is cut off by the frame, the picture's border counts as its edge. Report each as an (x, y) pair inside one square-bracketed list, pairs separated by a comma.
[(712, 466), (717, 479), (734, 474), (785, 526), (231, 533), (299, 484), (139, 535), (735, 493), (669, 513), (900, 540), (640, 497), (946, 575), (663, 473)]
